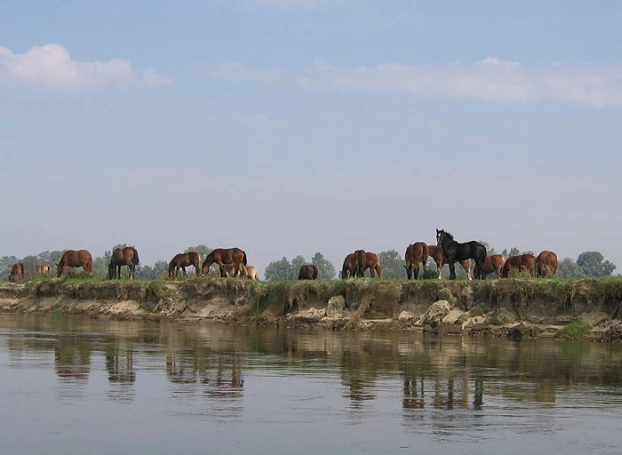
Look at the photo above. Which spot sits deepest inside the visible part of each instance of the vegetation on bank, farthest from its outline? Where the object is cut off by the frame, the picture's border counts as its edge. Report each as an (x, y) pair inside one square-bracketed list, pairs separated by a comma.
[(587, 264)]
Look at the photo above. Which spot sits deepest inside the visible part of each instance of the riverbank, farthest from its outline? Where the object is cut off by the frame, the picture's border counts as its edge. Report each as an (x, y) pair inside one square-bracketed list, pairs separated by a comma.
[(509, 307)]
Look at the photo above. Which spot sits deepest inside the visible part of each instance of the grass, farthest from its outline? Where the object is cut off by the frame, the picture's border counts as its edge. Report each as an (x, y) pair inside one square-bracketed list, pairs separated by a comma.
[(574, 330)]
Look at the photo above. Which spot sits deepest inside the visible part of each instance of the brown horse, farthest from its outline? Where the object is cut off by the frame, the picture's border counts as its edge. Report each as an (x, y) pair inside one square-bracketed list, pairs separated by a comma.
[(251, 273), (183, 260), (436, 253), (361, 259), (493, 263), (17, 273), (231, 270), (521, 263), (73, 258), (41, 269), (308, 272), (371, 261), (546, 264), (416, 253), (222, 256), (350, 267), (120, 257)]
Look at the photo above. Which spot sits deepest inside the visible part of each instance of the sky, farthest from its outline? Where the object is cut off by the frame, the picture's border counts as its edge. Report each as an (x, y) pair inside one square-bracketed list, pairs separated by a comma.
[(288, 127)]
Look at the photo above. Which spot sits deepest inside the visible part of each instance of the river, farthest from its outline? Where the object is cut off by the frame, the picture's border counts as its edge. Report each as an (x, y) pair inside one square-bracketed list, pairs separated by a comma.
[(78, 386)]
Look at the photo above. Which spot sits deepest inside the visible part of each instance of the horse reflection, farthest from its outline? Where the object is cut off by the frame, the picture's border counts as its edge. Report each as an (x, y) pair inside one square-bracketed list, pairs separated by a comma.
[(72, 358)]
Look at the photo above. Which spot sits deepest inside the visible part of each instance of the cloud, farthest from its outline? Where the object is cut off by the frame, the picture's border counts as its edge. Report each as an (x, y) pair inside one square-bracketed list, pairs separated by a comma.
[(50, 67), (490, 79)]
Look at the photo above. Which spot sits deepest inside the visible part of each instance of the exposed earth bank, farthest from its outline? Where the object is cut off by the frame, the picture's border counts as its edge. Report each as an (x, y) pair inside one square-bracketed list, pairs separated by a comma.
[(510, 307)]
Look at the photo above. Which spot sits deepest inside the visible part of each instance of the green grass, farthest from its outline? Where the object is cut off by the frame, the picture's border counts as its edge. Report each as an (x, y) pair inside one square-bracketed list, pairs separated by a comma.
[(574, 330)]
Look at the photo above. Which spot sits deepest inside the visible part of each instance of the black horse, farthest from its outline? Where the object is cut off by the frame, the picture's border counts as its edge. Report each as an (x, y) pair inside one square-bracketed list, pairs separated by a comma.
[(460, 251)]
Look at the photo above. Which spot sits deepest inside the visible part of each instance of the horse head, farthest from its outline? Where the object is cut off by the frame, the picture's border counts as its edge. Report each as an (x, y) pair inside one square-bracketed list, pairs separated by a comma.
[(443, 236)]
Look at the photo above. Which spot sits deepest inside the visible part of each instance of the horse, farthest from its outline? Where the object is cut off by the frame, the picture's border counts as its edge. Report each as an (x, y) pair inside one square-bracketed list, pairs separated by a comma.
[(494, 263), (415, 253), (251, 273), (231, 270), (436, 253), (17, 272), (222, 256), (120, 257), (361, 259), (308, 272), (521, 263), (73, 258), (183, 260), (41, 269), (546, 264), (459, 251), (350, 266), (371, 262)]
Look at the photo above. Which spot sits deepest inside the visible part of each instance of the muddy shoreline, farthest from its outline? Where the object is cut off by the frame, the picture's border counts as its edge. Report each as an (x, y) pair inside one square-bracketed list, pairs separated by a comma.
[(514, 308)]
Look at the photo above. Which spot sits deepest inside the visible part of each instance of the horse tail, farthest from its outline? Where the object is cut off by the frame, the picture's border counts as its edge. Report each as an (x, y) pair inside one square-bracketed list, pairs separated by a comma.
[(136, 258), (244, 259)]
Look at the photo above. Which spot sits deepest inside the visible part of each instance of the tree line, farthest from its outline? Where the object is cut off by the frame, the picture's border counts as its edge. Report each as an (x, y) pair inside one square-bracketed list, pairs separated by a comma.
[(587, 264)]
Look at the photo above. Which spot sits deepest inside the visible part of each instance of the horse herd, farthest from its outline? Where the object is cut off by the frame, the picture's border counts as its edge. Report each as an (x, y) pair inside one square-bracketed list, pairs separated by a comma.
[(232, 262)]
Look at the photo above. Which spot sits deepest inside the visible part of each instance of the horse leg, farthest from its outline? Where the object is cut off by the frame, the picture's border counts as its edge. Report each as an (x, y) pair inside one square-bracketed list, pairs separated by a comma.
[(183, 267), (466, 265), (416, 271), (452, 269)]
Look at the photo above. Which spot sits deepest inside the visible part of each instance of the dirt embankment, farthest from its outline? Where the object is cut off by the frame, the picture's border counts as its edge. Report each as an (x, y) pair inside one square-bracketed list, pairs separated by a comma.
[(518, 308)]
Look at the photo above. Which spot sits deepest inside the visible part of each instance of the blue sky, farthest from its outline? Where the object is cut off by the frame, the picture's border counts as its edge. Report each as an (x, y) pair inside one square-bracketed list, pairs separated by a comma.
[(287, 127)]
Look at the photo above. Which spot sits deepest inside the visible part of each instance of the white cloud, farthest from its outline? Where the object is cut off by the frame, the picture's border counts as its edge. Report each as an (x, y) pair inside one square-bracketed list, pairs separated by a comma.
[(50, 67), (490, 79)]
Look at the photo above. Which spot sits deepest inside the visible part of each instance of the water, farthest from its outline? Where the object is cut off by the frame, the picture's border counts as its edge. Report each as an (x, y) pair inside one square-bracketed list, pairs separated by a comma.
[(71, 386)]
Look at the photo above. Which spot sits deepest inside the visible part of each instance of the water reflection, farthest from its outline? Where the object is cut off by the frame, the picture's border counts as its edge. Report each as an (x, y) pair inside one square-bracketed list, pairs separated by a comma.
[(215, 362)]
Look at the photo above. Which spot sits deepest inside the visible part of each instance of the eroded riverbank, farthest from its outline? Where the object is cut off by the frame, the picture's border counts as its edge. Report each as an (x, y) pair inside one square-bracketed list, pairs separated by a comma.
[(517, 308)]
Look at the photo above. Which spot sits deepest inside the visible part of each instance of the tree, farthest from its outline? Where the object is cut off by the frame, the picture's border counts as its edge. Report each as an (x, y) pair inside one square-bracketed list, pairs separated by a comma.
[(280, 271), (489, 249), (392, 264), (203, 250), (326, 269), (297, 262), (592, 263), (569, 269)]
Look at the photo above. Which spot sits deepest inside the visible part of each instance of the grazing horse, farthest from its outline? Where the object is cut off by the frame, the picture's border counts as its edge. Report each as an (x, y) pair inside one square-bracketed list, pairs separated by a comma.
[(436, 253), (308, 272), (415, 253), (17, 272), (521, 263), (231, 270), (73, 258), (361, 259), (494, 263), (459, 251), (251, 273), (120, 257), (546, 264), (350, 266), (371, 261), (222, 256), (41, 269), (183, 260)]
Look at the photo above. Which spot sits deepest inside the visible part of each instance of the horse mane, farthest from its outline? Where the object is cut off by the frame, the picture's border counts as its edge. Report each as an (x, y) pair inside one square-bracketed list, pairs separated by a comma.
[(448, 234), (61, 257)]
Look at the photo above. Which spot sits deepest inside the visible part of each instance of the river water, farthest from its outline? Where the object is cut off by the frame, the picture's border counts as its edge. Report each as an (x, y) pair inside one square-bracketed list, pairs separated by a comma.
[(74, 386)]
